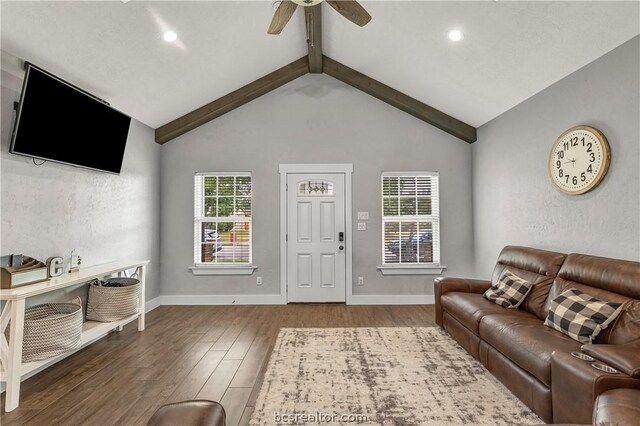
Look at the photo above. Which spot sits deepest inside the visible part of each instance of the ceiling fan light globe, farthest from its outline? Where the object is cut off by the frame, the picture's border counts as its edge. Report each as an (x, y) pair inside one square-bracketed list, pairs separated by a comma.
[(307, 2)]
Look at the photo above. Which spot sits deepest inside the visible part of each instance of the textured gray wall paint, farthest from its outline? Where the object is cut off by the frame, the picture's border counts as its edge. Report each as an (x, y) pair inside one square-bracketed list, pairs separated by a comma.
[(52, 209), (514, 201), (314, 119)]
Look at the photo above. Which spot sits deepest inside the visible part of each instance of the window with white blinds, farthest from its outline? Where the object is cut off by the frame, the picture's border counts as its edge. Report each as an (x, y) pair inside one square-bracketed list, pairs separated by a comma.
[(410, 218), (222, 220)]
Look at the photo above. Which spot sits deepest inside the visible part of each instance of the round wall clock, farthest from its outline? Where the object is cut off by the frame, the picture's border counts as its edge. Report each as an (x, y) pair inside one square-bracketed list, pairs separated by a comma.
[(579, 160)]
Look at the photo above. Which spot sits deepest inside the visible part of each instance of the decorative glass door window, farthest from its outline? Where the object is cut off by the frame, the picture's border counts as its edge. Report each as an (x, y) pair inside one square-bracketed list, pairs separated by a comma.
[(314, 187), (410, 218)]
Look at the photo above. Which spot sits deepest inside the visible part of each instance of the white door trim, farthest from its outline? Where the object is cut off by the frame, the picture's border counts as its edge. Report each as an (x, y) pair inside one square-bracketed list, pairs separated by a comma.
[(286, 169)]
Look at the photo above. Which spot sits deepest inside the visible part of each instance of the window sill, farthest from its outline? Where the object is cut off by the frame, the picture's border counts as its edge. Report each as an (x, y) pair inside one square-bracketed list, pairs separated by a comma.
[(222, 270), (412, 269)]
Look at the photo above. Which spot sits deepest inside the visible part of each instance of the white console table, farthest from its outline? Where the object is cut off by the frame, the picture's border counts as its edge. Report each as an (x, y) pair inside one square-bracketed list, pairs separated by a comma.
[(12, 369)]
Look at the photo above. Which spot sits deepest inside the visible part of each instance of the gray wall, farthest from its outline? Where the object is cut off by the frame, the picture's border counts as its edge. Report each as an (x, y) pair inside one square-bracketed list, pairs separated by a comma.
[(54, 208), (314, 119), (513, 198)]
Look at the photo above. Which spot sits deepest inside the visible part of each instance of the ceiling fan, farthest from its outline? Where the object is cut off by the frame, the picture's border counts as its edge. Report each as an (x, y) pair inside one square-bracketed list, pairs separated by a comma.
[(350, 9)]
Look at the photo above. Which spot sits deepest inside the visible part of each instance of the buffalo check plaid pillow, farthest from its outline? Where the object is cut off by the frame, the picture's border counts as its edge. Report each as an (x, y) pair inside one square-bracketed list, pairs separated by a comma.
[(509, 291), (580, 316)]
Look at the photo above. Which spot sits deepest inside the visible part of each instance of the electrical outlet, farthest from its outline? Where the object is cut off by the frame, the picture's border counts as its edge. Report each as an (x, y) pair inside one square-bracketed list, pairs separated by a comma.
[(259, 281), (360, 280), (76, 260), (363, 215), (362, 226)]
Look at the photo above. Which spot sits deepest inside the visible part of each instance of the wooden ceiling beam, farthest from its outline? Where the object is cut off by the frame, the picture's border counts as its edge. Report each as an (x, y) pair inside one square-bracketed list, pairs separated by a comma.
[(313, 24), (231, 101), (399, 100)]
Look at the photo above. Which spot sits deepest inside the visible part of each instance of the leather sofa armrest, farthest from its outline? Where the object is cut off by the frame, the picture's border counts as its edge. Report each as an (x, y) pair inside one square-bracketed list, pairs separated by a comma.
[(575, 385), (625, 358), (448, 284)]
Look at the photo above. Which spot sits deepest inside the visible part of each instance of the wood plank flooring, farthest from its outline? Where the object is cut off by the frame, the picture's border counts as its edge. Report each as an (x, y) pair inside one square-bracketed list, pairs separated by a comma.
[(186, 352)]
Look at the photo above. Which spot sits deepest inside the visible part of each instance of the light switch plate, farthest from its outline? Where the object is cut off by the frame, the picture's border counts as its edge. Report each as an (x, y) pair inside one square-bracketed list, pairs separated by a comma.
[(362, 226), (363, 215)]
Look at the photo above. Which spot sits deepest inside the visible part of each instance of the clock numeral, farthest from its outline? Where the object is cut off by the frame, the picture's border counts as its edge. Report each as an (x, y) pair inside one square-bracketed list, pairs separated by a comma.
[(566, 146), (567, 178), (558, 164), (582, 140), (574, 141), (574, 180), (590, 169), (589, 147), (560, 173), (583, 177), (593, 157), (561, 154)]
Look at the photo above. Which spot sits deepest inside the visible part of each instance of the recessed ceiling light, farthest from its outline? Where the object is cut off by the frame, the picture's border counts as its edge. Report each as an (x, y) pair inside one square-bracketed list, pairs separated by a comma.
[(169, 36), (455, 35)]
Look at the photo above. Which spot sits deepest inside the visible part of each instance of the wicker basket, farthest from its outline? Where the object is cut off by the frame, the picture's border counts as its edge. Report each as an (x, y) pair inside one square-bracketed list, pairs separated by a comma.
[(51, 329), (106, 304)]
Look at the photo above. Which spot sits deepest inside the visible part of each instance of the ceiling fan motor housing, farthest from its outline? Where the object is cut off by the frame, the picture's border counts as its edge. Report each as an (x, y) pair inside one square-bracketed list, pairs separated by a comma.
[(307, 2)]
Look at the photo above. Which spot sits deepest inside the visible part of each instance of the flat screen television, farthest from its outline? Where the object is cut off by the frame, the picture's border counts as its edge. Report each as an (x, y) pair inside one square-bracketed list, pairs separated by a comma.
[(59, 122)]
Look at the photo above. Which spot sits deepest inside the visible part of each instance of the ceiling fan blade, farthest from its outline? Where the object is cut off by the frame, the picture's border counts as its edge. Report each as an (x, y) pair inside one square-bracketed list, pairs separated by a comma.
[(282, 16), (351, 10)]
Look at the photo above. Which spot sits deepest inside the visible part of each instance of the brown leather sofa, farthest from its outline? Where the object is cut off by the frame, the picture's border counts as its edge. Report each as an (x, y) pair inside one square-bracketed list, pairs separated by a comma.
[(199, 412), (533, 360), (617, 407)]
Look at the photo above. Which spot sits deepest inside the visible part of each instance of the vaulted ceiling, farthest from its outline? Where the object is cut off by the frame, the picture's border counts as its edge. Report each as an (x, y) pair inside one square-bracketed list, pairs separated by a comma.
[(511, 50)]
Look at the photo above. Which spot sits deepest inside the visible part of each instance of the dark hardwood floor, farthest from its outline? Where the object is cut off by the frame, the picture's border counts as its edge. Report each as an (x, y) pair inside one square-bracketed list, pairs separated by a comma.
[(186, 352)]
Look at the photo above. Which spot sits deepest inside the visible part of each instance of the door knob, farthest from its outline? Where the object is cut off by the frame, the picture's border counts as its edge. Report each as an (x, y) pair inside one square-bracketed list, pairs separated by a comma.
[(341, 247)]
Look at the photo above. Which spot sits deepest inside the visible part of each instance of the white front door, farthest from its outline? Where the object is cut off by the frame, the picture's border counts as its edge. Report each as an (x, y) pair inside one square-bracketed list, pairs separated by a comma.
[(316, 259)]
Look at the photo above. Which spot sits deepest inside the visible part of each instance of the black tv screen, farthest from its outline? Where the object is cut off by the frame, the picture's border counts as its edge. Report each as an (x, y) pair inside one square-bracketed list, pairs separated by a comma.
[(58, 122)]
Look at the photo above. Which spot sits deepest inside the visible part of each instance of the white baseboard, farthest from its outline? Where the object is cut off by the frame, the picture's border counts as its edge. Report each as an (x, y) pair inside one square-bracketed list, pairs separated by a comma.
[(392, 299), (223, 299), (150, 305), (276, 299)]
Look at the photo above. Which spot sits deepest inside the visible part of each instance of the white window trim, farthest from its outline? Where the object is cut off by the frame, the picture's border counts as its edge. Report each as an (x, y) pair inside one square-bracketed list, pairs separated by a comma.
[(227, 269), (408, 268), (207, 269), (425, 269)]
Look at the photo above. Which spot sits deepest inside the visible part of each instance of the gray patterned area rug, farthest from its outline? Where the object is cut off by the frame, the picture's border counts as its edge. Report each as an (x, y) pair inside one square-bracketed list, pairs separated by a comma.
[(382, 376)]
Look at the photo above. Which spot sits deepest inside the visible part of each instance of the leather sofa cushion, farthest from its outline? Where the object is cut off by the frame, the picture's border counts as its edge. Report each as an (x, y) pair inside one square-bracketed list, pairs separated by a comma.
[(628, 331), (611, 280), (625, 330), (527, 342), (580, 315), (469, 308), (613, 275), (538, 267)]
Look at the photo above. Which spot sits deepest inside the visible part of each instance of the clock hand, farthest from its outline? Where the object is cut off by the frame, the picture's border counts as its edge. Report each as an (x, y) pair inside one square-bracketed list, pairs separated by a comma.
[(571, 161)]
